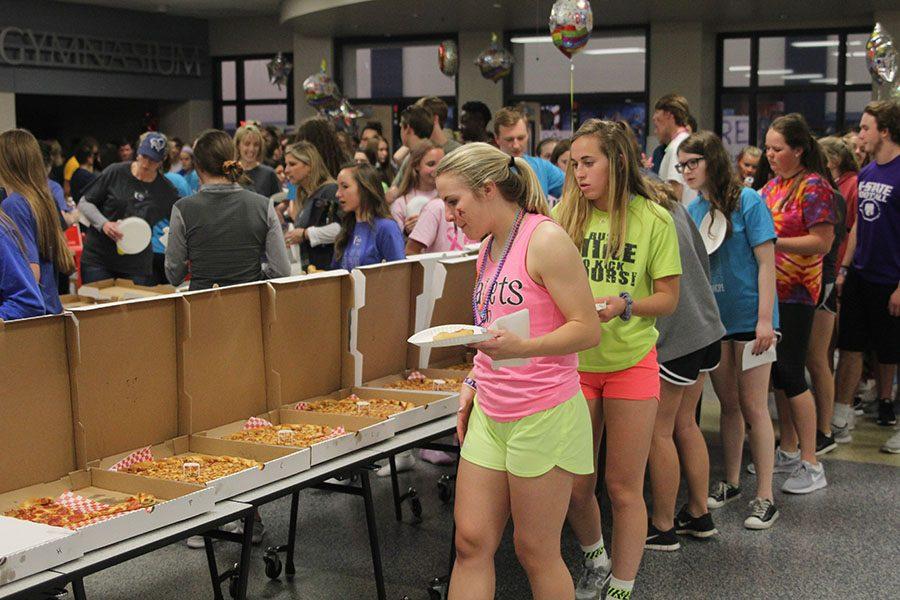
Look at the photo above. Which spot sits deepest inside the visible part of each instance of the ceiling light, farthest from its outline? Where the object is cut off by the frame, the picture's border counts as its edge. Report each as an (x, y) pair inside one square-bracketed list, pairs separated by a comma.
[(738, 68), (605, 51), (532, 39), (803, 76), (826, 81), (775, 71), (855, 43), (816, 44)]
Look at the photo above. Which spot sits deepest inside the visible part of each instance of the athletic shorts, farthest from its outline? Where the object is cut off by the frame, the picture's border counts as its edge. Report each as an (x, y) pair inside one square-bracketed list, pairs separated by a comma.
[(747, 336), (828, 298), (640, 382), (864, 322), (529, 447), (685, 370)]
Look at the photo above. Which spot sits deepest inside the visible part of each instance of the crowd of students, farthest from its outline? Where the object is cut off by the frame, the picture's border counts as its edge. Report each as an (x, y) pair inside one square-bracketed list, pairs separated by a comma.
[(641, 275)]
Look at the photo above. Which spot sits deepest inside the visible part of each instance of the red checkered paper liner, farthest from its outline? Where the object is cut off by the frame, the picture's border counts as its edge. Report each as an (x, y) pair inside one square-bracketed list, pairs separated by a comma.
[(83, 505), (142, 455), (301, 406), (336, 432), (416, 376), (256, 423)]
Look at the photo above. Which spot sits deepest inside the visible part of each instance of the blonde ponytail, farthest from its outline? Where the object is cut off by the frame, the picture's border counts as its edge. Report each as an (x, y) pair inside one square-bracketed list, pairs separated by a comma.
[(478, 163)]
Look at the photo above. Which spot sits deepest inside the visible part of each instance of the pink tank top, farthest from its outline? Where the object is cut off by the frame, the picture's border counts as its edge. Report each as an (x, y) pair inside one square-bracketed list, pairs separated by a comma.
[(511, 393)]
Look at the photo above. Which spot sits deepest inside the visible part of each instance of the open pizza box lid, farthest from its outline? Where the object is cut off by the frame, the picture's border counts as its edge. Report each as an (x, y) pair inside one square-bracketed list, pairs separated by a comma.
[(36, 441), (385, 301), (123, 373), (122, 289), (306, 325), (222, 375)]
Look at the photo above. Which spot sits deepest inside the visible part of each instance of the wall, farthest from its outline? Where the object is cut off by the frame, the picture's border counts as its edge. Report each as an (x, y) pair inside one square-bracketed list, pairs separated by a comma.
[(308, 55), (186, 119), (248, 35), (472, 86), (63, 18)]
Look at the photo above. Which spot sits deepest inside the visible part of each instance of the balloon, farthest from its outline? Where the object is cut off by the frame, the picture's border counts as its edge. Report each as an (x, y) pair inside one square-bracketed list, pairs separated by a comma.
[(321, 92), (571, 23), (448, 58), (881, 56), (345, 111), (279, 69), (495, 61)]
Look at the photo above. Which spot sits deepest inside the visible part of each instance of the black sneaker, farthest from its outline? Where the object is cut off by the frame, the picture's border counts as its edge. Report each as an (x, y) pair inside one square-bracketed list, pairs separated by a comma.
[(722, 494), (886, 416), (763, 514), (700, 527), (858, 405), (824, 443), (661, 540)]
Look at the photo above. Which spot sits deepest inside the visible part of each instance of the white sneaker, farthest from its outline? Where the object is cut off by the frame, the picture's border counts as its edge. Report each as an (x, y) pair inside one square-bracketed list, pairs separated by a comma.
[(196, 542), (892, 445), (805, 479), (590, 583), (404, 461)]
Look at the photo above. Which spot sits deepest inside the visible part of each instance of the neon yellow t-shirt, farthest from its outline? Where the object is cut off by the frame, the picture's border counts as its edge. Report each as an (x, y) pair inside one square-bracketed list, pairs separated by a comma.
[(650, 252), (70, 168)]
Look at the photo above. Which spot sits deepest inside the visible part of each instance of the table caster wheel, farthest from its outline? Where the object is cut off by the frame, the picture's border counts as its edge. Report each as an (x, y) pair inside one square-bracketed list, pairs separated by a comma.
[(273, 566), (233, 585), (445, 490), (415, 504)]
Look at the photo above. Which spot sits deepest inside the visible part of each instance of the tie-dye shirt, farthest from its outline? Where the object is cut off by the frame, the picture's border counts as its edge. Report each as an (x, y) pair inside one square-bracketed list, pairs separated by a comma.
[(799, 277)]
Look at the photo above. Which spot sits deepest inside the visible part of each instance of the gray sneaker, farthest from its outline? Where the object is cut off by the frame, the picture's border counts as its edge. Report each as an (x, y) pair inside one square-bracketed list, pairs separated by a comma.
[(841, 432), (784, 462), (892, 446), (805, 479), (590, 583)]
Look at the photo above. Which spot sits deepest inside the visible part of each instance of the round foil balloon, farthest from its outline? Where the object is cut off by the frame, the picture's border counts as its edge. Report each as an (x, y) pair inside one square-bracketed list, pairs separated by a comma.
[(321, 92), (279, 69), (448, 58), (495, 61), (881, 56), (571, 23)]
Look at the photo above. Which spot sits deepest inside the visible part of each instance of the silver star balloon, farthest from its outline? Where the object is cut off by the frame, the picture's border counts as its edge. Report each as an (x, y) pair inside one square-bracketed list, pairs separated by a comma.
[(279, 70), (881, 56)]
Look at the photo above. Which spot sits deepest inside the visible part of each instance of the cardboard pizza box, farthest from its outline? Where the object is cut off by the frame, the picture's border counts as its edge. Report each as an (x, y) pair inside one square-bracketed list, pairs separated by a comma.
[(27, 548), (306, 323), (74, 301), (125, 379), (116, 290), (37, 437), (360, 431)]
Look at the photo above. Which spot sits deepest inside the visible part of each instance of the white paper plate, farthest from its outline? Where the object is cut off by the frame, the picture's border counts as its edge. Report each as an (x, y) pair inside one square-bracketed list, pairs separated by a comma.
[(425, 338), (713, 239), (135, 235)]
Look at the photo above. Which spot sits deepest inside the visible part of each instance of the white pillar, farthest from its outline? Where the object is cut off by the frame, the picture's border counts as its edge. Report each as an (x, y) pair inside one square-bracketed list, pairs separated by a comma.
[(186, 119), (308, 55), (7, 111), (472, 86)]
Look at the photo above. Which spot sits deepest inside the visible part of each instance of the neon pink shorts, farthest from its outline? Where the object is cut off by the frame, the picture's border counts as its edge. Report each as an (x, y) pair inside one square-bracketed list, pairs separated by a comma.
[(640, 382)]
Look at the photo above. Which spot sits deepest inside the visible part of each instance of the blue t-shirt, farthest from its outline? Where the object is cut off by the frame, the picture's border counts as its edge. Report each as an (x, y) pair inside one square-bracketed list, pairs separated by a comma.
[(369, 245), (20, 296), (734, 272), (59, 195), (877, 256), (18, 209), (180, 183), (551, 177), (193, 181)]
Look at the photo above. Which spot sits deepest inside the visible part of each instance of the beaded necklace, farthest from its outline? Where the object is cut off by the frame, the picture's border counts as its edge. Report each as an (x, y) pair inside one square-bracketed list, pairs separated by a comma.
[(480, 313)]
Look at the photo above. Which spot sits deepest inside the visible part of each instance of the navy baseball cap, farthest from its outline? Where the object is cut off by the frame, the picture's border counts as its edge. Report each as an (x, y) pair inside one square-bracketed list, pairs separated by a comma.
[(154, 146)]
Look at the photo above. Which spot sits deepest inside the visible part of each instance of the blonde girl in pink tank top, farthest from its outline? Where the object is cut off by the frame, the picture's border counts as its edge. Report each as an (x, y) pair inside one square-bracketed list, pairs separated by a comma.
[(525, 431)]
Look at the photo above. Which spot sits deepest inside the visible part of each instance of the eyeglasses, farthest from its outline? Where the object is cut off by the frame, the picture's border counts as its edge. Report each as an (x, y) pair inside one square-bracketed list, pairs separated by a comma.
[(688, 165)]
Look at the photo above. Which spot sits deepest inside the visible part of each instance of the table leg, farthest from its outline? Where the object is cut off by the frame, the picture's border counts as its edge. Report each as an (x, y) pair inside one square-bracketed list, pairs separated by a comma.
[(292, 533), (244, 572), (395, 487), (373, 533), (78, 588), (213, 568)]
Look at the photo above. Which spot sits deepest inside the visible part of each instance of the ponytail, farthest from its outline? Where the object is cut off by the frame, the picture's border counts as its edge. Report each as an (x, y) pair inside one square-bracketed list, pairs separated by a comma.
[(478, 163)]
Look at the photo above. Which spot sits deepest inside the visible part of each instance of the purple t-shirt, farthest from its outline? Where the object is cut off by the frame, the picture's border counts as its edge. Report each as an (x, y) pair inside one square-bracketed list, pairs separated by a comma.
[(877, 257)]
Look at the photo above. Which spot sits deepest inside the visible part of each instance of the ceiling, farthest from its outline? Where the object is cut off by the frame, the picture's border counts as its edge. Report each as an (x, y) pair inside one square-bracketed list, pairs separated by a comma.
[(397, 17)]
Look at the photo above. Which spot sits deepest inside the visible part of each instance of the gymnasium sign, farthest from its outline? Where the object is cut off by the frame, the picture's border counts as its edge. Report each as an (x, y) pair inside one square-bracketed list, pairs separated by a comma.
[(26, 47)]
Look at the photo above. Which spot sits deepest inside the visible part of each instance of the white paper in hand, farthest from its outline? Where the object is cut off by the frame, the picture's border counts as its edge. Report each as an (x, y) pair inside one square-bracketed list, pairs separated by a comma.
[(518, 323), (751, 360)]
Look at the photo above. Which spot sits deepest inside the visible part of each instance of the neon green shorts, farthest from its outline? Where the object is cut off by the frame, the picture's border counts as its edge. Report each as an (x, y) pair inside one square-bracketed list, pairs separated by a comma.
[(557, 437)]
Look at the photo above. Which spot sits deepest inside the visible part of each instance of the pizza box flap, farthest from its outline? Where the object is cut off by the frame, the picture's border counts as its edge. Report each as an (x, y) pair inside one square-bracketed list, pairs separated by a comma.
[(453, 282), (306, 328), (122, 289), (123, 375), (37, 439), (221, 362), (381, 320)]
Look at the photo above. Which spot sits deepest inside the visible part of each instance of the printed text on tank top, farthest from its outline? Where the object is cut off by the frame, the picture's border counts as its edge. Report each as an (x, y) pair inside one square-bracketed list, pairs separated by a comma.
[(481, 312)]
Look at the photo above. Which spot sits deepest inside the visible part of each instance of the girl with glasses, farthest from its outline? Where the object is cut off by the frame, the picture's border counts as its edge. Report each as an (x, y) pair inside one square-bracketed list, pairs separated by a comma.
[(742, 272)]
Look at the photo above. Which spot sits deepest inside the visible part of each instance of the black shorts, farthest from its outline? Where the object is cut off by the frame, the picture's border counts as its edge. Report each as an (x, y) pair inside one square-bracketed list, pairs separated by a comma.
[(828, 298), (685, 370), (789, 370), (864, 322), (747, 336)]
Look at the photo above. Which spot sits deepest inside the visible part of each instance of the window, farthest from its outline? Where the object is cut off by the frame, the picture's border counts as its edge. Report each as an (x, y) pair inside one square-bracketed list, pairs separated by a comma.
[(243, 93), (611, 76), (763, 75)]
